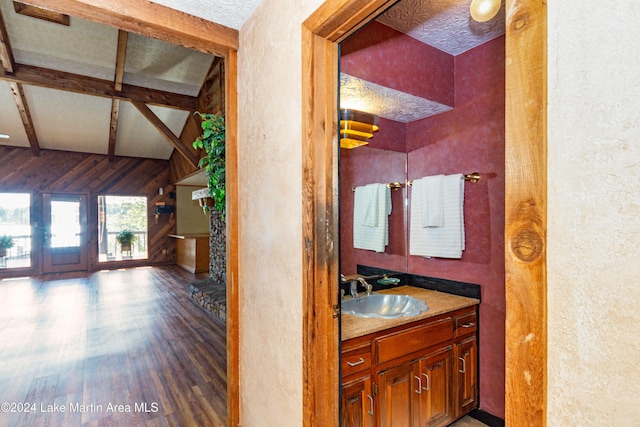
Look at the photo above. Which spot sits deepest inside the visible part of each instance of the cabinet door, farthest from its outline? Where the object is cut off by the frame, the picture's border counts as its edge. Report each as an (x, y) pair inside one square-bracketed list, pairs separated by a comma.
[(436, 398), (357, 403), (466, 358), (398, 395)]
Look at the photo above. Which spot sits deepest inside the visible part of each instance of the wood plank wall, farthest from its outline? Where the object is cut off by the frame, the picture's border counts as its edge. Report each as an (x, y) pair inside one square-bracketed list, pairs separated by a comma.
[(93, 174)]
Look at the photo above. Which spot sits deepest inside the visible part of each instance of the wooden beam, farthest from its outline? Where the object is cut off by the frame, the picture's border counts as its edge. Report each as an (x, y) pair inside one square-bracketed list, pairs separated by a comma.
[(25, 115), (41, 13), (164, 130), (151, 20), (113, 128), (121, 56), (43, 77), (8, 66), (6, 56)]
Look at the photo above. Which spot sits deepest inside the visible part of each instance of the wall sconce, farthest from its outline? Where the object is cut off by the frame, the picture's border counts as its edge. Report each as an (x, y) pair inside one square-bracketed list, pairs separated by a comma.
[(484, 10), (356, 127)]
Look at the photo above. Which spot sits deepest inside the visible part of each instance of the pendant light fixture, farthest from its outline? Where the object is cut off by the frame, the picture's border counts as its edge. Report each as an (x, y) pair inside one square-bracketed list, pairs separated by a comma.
[(484, 10), (356, 127)]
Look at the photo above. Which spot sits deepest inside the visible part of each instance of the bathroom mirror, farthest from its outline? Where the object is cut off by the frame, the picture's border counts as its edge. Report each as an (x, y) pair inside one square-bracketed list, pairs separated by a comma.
[(440, 100)]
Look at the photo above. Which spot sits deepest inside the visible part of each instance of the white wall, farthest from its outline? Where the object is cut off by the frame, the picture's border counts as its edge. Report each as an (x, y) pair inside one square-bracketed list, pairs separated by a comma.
[(594, 213), (270, 226), (189, 216)]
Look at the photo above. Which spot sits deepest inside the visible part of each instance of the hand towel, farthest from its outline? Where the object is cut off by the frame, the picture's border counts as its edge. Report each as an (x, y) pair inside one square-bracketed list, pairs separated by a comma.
[(447, 241), (432, 201), (373, 238), (371, 205)]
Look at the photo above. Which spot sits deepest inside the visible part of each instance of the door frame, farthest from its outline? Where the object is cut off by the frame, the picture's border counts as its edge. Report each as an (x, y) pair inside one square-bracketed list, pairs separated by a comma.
[(525, 206), (84, 229)]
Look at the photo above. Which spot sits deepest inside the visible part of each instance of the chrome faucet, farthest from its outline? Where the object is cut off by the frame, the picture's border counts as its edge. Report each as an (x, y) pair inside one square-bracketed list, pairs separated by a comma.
[(354, 280), (365, 285)]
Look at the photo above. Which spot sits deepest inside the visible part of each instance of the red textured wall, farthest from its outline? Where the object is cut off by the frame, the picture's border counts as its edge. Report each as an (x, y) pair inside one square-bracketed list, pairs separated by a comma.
[(382, 55), (467, 139)]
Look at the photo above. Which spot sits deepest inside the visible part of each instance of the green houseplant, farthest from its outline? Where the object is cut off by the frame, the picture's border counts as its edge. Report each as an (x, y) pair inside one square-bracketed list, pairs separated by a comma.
[(6, 242), (212, 141), (125, 238)]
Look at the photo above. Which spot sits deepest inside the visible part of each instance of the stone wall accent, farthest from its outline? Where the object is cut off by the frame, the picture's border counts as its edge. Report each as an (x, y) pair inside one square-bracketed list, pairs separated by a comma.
[(210, 295), (217, 247)]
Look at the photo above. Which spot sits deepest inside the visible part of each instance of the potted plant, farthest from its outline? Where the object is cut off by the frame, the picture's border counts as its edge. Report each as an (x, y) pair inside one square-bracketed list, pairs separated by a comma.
[(125, 238), (212, 141), (6, 242)]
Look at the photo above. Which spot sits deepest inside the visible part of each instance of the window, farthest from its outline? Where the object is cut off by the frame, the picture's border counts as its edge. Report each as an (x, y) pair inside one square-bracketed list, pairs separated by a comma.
[(118, 214), (15, 228)]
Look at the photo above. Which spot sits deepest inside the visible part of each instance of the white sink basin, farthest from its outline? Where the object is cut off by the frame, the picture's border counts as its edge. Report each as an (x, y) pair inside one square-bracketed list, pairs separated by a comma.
[(385, 306)]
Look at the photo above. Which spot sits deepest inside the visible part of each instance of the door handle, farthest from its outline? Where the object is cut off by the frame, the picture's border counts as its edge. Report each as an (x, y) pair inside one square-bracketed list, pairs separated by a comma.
[(359, 362), (419, 390), (426, 388), (370, 412)]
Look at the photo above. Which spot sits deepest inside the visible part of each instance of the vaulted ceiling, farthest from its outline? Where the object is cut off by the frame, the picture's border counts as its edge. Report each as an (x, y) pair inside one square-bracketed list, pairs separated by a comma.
[(80, 86)]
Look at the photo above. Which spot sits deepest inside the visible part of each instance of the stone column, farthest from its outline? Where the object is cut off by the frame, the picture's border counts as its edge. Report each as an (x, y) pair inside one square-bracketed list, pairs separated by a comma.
[(217, 247)]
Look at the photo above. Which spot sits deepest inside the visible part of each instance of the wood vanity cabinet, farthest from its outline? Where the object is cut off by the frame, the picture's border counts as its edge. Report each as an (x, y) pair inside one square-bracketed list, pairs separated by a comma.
[(422, 374)]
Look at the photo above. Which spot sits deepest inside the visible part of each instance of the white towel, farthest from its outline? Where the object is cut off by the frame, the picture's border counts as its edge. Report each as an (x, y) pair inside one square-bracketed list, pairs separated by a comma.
[(373, 238), (371, 205), (432, 201), (447, 241)]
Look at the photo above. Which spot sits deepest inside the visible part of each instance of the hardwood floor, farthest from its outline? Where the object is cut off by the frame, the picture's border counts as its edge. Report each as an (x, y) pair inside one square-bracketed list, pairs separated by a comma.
[(112, 348)]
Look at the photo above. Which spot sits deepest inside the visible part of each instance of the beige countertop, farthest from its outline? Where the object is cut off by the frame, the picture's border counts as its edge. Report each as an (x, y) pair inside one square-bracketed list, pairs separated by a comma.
[(438, 303), (189, 236)]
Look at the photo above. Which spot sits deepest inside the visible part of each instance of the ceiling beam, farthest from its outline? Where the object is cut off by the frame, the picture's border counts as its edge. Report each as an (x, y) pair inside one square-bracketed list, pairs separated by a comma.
[(44, 77), (113, 128), (166, 132), (121, 55), (25, 115), (41, 13), (8, 66), (6, 56), (151, 20)]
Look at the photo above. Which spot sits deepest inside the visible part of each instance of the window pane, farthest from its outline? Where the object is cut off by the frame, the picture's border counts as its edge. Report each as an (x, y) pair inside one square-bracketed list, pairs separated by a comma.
[(65, 224), (15, 224), (115, 215)]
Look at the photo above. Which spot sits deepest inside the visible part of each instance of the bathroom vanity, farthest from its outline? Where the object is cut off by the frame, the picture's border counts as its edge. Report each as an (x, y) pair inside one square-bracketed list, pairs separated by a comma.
[(411, 371)]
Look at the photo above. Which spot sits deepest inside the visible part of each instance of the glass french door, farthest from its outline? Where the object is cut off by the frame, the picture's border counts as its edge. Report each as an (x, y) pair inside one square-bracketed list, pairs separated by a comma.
[(65, 234)]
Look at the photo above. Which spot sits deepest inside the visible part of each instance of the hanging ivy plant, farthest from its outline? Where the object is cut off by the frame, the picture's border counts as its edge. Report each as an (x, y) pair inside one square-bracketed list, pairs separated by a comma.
[(212, 141)]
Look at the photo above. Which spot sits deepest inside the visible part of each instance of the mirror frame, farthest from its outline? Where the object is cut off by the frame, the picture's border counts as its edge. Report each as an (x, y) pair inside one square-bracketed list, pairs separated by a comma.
[(525, 206)]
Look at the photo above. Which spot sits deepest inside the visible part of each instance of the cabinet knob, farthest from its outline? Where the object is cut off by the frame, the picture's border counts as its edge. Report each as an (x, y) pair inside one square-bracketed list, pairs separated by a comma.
[(464, 366)]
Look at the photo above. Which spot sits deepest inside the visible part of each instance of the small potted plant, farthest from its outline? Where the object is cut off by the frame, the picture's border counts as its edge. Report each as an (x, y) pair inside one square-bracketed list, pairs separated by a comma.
[(125, 238), (6, 242)]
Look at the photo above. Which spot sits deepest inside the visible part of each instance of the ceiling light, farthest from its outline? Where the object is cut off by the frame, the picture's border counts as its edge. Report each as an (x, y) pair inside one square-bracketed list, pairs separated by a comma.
[(484, 10), (4, 136), (356, 127)]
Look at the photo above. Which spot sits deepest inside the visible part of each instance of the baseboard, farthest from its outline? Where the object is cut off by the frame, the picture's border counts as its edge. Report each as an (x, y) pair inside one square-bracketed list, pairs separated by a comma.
[(486, 418)]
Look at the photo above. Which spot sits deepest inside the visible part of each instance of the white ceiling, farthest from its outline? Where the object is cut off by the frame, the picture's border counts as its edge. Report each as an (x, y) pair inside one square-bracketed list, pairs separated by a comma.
[(76, 122)]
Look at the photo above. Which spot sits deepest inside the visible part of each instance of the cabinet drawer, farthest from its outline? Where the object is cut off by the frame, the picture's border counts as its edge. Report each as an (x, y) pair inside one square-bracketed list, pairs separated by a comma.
[(405, 342), (356, 359), (466, 323)]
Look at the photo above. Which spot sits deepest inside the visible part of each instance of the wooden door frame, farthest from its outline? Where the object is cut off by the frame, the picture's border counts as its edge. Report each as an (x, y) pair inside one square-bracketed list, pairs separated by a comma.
[(525, 206), (156, 21)]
